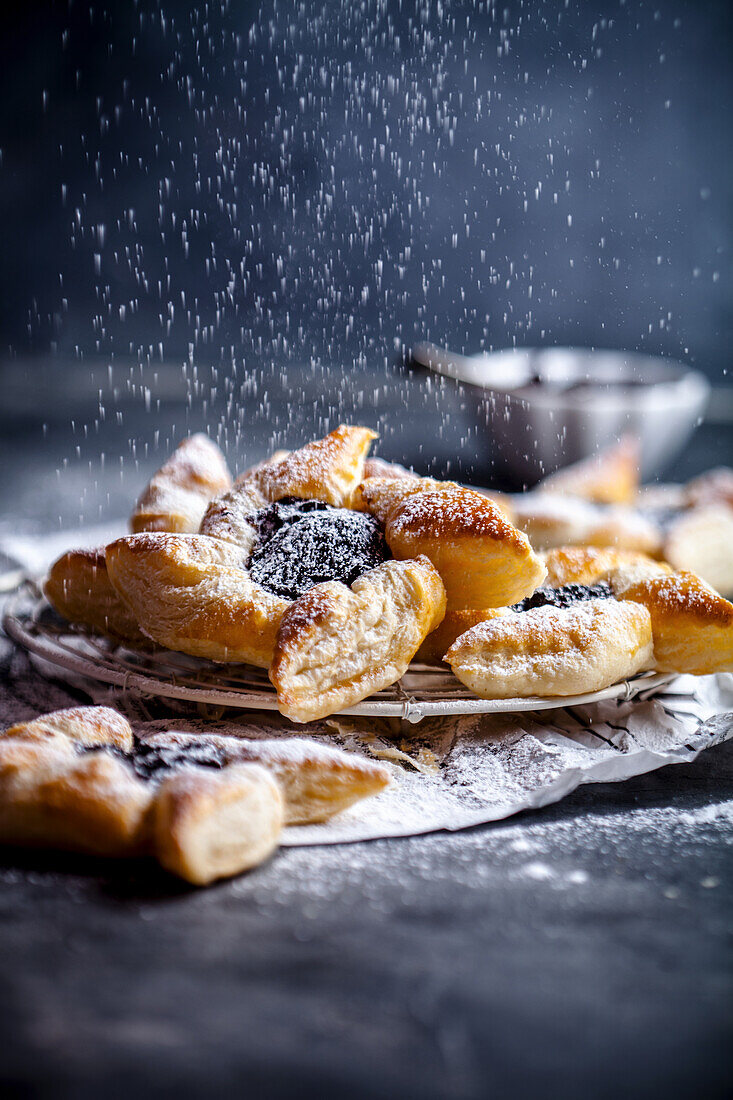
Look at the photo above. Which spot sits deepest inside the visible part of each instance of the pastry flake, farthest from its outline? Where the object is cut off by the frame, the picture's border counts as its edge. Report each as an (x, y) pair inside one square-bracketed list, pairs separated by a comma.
[(177, 495), (337, 645)]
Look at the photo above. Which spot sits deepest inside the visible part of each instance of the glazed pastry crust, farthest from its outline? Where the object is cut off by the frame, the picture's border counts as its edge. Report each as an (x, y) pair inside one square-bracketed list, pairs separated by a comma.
[(483, 559), (336, 645), (192, 593), (692, 625), (178, 494), (327, 469), (79, 588), (554, 651)]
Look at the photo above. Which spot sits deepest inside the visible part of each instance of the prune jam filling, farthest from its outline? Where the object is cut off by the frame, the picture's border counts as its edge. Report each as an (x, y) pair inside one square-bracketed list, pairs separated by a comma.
[(152, 761), (304, 542), (566, 596)]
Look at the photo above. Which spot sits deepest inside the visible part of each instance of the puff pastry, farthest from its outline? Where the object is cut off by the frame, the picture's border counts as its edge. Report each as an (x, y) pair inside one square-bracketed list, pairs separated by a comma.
[(316, 781), (609, 477), (177, 495), (484, 561), (79, 588), (205, 807), (193, 594), (692, 625), (337, 645), (554, 650), (551, 520)]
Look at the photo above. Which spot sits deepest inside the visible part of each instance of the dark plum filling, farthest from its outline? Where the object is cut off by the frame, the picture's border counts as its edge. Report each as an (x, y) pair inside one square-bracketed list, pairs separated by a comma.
[(305, 542), (153, 761), (566, 596)]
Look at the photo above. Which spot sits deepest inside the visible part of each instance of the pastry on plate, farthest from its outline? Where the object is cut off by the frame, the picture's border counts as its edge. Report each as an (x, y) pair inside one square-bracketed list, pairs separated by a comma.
[(692, 625), (329, 580), (78, 585), (574, 649), (483, 559), (205, 806)]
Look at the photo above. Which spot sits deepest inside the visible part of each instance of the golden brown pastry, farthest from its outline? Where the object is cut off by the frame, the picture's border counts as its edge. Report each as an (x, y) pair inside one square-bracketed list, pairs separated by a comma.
[(483, 559), (178, 494), (554, 650), (75, 780), (609, 477), (211, 825), (589, 564), (455, 623), (317, 781), (79, 588), (337, 645), (193, 594), (327, 469), (692, 625), (53, 793)]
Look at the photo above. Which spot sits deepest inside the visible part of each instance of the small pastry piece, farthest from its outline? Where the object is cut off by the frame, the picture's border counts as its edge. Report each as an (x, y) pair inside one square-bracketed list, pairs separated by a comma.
[(551, 521), (588, 564), (701, 541), (193, 594), (609, 477), (75, 780), (453, 625), (88, 727), (93, 804), (337, 645), (483, 559), (210, 825), (692, 625), (78, 587), (178, 494), (327, 469), (316, 781), (554, 650)]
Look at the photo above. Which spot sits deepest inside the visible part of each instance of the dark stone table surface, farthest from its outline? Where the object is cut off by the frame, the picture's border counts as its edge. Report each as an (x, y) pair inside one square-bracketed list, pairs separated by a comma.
[(581, 950)]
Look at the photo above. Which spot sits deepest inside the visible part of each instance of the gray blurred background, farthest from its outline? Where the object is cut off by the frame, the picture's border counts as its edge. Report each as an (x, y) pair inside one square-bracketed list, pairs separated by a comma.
[(241, 217)]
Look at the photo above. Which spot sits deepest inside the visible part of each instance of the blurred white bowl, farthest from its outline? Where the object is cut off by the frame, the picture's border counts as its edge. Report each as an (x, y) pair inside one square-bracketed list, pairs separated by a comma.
[(546, 408)]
